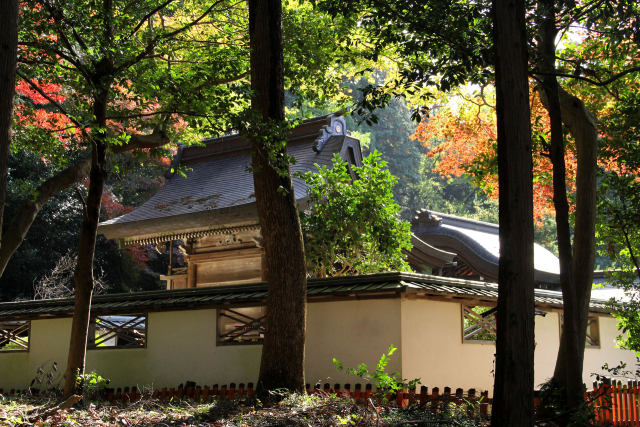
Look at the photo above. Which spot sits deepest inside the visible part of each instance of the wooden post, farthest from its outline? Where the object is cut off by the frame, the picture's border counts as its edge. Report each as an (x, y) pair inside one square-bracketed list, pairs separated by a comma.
[(412, 396), (358, 393), (424, 390), (435, 392), (367, 391), (223, 392), (240, 390), (484, 405), (214, 392), (191, 274)]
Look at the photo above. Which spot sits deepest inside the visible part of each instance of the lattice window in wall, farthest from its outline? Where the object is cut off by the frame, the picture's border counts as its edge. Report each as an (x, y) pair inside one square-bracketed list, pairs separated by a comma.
[(478, 323), (243, 325), (14, 335), (118, 331)]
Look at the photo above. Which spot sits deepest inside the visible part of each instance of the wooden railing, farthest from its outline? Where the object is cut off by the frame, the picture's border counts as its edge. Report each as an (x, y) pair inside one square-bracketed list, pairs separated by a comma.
[(615, 403)]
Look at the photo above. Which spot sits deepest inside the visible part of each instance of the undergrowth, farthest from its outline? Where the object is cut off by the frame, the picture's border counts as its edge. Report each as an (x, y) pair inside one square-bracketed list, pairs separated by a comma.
[(322, 409)]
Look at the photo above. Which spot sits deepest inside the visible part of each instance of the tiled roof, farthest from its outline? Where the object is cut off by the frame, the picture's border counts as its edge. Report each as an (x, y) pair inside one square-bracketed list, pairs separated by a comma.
[(480, 239), (390, 284), (219, 182)]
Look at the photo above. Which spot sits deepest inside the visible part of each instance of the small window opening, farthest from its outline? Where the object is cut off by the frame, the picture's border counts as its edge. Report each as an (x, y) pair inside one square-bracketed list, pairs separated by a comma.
[(14, 335), (244, 325), (118, 331), (478, 323)]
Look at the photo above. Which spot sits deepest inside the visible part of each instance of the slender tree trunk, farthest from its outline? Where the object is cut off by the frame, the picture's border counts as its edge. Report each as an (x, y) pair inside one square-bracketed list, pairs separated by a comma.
[(576, 265), (83, 275), (282, 364), (513, 389), (8, 60), (567, 376), (582, 126)]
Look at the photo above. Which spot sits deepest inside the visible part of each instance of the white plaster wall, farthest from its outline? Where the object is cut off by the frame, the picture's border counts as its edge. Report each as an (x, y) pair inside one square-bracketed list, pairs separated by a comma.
[(181, 346), (353, 332), (547, 338), (608, 352), (49, 342), (433, 349)]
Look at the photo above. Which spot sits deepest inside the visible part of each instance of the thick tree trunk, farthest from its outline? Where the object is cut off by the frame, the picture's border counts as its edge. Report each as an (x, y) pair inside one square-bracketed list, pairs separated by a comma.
[(282, 364), (513, 388), (83, 275), (8, 60)]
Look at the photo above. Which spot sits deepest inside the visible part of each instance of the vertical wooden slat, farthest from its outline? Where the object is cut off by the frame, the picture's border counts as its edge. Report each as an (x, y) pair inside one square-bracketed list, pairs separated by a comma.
[(250, 390), (367, 392), (625, 404), (484, 404), (423, 395), (232, 391)]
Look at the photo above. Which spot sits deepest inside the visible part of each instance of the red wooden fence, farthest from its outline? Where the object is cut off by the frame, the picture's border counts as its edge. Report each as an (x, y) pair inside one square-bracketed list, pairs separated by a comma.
[(616, 404)]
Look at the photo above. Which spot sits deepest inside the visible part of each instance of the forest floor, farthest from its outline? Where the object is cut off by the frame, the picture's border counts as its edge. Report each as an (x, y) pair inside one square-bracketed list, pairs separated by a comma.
[(294, 410)]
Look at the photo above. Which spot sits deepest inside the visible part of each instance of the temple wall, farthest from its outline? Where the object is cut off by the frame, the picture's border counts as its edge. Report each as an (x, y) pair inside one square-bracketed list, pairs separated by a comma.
[(181, 346), (434, 351)]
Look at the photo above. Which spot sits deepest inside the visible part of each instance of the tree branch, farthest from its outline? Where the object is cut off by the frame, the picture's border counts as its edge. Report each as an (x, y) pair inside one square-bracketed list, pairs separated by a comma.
[(19, 226), (597, 82), (148, 15), (152, 43)]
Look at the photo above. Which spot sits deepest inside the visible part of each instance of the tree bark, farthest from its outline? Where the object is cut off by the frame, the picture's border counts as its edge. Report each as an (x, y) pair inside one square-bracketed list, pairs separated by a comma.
[(570, 360), (8, 61), (513, 387), (282, 363), (83, 275), (568, 376), (576, 265)]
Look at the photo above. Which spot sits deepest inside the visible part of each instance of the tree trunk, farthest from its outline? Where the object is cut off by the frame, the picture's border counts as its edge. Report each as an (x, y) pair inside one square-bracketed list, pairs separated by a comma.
[(582, 126), (568, 376), (576, 265), (570, 361), (282, 363), (8, 60), (513, 388), (83, 275)]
